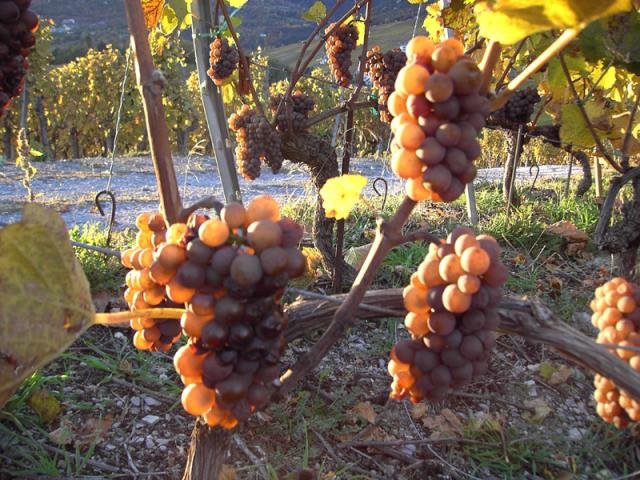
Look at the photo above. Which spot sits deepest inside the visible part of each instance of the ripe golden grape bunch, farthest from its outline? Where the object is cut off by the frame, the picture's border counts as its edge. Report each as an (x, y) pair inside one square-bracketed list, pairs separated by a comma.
[(339, 44), (257, 142), (229, 273), (383, 69), (223, 60), (438, 112), (452, 303), (617, 316), (17, 27)]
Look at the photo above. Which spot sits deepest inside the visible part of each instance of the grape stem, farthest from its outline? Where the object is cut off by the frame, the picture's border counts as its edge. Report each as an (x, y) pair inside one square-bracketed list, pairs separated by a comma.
[(114, 318), (546, 56), (509, 66), (579, 103), (388, 236)]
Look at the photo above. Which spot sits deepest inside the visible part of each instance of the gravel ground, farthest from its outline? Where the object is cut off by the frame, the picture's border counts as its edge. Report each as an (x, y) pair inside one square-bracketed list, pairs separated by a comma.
[(70, 186)]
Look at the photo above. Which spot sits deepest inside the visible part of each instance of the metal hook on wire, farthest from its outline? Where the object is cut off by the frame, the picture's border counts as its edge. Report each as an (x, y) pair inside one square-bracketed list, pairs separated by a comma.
[(533, 184), (386, 190), (98, 202)]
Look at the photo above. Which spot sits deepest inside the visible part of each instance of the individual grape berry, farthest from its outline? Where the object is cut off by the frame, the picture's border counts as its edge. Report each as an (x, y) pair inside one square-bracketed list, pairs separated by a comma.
[(616, 315), (223, 60), (450, 331), (437, 94), (339, 44)]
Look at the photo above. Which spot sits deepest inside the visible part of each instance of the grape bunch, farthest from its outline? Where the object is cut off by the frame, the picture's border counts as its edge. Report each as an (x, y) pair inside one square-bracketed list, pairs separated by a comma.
[(518, 109), (339, 44), (229, 273), (452, 303), (223, 60), (17, 27), (383, 69), (617, 316), (257, 141), (300, 105), (438, 114), (145, 287)]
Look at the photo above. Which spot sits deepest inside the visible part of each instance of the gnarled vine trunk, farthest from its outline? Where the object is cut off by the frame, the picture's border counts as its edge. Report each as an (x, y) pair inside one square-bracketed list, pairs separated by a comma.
[(320, 157)]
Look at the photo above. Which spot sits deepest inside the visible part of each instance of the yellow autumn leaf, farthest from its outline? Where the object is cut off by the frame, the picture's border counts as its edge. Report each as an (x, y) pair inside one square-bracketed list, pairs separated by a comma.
[(359, 24), (340, 195), (45, 300), (508, 21), (152, 12), (237, 3), (316, 12)]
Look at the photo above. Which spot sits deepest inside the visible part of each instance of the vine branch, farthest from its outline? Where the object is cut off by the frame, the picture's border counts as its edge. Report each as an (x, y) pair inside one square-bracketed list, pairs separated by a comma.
[(362, 64), (387, 236), (551, 51), (509, 66), (488, 64), (301, 65), (343, 107), (584, 115)]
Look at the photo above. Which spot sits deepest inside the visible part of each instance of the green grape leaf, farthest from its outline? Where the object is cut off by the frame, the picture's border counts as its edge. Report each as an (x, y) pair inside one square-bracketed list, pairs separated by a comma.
[(508, 21), (237, 3), (316, 12), (169, 21), (574, 130), (45, 301)]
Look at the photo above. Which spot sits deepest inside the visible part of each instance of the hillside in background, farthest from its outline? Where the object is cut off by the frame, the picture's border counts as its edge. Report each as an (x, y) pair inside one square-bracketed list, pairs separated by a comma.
[(81, 24)]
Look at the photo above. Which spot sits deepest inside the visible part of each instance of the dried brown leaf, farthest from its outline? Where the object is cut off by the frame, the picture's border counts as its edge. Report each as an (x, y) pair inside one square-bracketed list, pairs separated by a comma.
[(366, 411), (568, 231)]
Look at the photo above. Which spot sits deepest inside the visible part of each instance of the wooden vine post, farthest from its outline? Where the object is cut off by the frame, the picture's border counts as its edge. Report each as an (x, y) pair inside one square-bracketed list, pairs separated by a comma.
[(151, 83)]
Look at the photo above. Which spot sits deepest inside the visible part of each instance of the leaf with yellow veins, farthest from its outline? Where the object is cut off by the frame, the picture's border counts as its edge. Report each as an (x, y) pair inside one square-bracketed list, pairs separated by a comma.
[(45, 301), (340, 195), (508, 21)]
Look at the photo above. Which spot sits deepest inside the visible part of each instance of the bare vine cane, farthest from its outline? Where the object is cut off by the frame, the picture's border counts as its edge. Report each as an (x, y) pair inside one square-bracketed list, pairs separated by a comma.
[(529, 319)]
